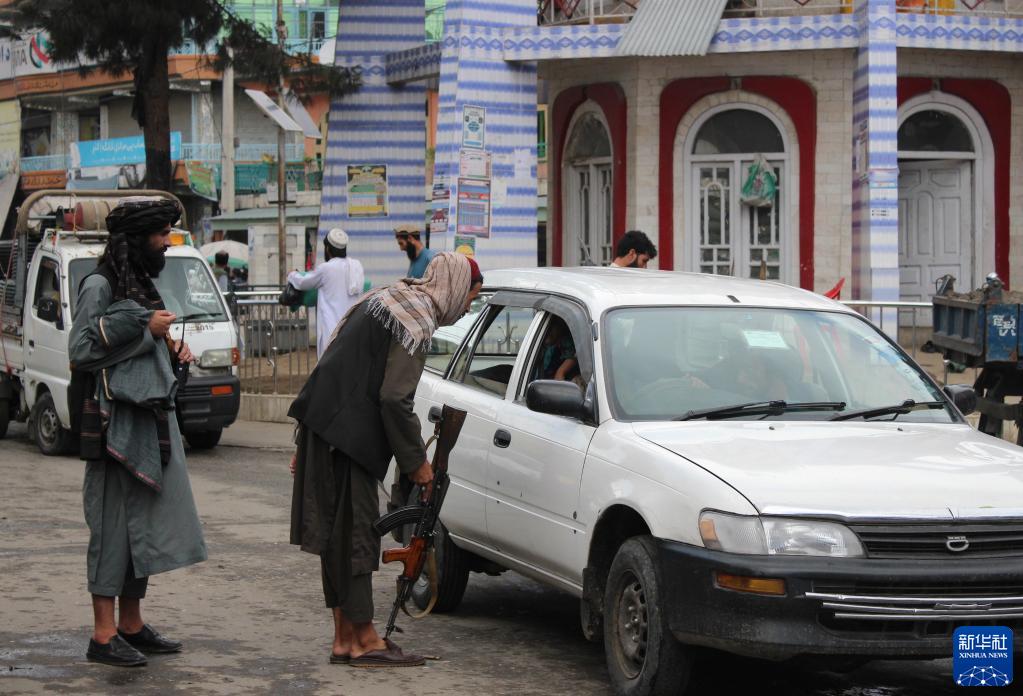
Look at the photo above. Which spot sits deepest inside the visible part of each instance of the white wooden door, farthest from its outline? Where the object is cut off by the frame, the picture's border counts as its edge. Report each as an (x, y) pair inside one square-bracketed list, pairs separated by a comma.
[(732, 238), (935, 227), (589, 224)]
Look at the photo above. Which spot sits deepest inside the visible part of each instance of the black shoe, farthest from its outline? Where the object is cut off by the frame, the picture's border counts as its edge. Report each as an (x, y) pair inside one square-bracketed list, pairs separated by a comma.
[(149, 641), (117, 653)]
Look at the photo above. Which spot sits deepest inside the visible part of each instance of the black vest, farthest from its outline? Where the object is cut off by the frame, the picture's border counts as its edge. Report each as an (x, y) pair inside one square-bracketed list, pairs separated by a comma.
[(340, 401)]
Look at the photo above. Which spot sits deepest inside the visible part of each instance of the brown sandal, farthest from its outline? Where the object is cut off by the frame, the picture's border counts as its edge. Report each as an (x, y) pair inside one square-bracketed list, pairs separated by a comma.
[(392, 656)]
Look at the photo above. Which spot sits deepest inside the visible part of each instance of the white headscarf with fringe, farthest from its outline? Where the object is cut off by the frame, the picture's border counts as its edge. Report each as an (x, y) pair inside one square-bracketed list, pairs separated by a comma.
[(413, 308)]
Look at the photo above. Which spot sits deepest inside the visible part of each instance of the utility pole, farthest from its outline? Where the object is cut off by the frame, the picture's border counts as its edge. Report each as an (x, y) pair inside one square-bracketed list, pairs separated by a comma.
[(282, 189), (227, 140)]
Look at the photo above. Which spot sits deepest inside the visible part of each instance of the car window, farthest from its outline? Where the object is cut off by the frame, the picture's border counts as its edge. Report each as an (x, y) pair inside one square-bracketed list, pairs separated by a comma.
[(490, 364), (47, 283), (554, 356), (667, 361), (446, 339), (186, 286)]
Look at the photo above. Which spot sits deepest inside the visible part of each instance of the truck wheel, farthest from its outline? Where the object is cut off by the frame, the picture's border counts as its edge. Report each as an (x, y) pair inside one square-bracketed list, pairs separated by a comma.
[(204, 439), (5, 416), (44, 427), (452, 571), (642, 655)]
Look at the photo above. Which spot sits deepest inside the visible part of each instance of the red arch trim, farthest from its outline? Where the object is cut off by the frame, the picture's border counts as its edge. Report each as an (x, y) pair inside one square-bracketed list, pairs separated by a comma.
[(798, 100), (611, 100), (994, 103)]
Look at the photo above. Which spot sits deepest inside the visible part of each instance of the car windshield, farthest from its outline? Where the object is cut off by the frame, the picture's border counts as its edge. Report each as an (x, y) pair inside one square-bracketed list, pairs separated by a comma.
[(667, 363), (185, 284)]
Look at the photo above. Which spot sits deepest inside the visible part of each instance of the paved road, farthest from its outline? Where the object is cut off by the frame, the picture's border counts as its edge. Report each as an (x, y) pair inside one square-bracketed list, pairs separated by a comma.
[(253, 619)]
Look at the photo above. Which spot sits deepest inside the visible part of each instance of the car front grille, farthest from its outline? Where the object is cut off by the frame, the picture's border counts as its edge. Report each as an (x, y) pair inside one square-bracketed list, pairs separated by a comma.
[(931, 609), (928, 540)]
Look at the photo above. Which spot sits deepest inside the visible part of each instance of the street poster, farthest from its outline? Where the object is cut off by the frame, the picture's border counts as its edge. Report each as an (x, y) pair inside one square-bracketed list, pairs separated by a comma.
[(465, 246), (367, 190), (474, 126), (473, 207), (439, 219), (200, 180), (474, 164)]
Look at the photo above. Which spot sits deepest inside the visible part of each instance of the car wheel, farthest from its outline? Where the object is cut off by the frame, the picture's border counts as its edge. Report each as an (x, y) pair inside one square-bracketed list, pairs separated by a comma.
[(452, 571), (5, 416), (204, 439), (44, 427), (643, 658)]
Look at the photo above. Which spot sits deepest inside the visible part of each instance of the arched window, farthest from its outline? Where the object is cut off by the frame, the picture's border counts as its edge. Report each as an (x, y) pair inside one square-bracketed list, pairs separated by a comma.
[(588, 190), (737, 131), (728, 236), (934, 131)]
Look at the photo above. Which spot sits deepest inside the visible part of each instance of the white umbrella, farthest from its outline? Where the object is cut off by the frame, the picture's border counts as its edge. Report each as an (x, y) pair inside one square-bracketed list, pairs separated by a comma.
[(235, 250)]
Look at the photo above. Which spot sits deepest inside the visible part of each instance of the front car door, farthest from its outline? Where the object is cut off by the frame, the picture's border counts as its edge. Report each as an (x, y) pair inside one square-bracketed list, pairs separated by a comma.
[(46, 358), (536, 465), (477, 382)]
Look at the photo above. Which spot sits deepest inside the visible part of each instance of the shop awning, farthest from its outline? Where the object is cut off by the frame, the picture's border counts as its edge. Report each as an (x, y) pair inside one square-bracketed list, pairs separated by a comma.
[(307, 215), (672, 28)]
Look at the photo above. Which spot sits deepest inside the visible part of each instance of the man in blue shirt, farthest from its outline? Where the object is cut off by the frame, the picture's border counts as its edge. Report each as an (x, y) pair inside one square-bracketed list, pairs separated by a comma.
[(419, 256)]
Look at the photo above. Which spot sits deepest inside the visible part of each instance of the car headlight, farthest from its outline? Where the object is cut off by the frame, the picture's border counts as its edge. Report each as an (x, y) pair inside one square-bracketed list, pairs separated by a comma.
[(218, 357), (777, 536)]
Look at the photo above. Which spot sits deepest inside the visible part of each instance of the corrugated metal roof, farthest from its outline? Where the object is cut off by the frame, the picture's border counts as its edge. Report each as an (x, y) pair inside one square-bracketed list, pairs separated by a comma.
[(672, 28)]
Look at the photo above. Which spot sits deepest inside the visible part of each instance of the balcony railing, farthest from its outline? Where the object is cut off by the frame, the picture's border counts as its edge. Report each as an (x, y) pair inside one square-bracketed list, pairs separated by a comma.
[(611, 11), (785, 8), (585, 11), (776, 8)]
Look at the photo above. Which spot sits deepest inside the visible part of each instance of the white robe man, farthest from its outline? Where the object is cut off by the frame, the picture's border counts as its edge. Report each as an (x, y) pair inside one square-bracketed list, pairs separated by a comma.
[(338, 281)]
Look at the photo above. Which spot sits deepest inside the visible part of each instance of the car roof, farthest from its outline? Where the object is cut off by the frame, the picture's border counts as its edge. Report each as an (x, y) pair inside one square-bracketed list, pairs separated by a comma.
[(604, 288)]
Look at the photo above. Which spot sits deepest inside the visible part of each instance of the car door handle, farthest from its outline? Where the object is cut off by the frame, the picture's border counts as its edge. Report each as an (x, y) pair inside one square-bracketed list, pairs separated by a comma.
[(502, 438), (31, 344), (435, 414)]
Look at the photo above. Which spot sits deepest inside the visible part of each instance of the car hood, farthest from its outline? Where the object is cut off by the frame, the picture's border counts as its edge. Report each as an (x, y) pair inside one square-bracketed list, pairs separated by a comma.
[(854, 470)]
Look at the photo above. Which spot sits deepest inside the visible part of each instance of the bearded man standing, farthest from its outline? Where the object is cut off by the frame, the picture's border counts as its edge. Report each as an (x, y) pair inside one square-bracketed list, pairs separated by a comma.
[(354, 414), (137, 498)]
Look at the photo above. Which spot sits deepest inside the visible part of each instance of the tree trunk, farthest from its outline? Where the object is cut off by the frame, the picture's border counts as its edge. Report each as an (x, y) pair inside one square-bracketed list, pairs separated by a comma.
[(156, 103)]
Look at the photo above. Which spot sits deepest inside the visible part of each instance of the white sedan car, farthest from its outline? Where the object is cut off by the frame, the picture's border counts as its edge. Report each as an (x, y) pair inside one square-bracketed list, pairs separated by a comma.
[(721, 463)]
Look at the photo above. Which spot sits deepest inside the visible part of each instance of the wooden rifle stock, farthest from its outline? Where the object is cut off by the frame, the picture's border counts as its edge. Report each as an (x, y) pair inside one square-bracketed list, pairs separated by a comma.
[(415, 554)]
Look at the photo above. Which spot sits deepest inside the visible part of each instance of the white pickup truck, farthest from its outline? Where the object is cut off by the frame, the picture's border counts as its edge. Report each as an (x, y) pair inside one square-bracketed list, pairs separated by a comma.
[(57, 242), (747, 467)]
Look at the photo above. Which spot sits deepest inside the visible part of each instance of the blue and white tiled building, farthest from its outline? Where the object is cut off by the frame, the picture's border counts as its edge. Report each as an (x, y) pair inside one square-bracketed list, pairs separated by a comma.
[(894, 128)]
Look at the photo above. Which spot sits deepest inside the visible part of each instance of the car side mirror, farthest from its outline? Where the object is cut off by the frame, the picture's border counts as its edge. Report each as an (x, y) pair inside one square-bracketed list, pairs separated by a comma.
[(48, 309), (963, 397), (556, 397)]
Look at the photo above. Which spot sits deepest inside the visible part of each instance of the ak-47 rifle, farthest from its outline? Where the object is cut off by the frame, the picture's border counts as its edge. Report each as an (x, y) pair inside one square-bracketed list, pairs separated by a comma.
[(423, 514)]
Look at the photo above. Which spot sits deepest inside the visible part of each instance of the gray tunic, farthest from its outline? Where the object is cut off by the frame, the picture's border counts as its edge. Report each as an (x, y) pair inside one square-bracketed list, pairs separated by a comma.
[(157, 531)]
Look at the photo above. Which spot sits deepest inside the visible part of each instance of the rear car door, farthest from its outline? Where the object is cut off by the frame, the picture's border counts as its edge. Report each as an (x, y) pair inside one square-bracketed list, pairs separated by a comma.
[(536, 461)]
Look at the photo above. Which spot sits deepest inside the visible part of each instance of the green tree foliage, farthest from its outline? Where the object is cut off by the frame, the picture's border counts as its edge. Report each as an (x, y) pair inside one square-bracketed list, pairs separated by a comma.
[(134, 37)]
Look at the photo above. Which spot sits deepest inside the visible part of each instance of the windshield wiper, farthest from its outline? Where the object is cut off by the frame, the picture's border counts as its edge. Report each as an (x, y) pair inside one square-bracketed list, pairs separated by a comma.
[(770, 408), (895, 409), (197, 315)]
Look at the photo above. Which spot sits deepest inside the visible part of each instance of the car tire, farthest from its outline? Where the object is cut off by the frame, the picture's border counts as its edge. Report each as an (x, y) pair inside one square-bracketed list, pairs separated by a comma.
[(5, 417), (44, 427), (452, 571), (204, 439), (643, 657)]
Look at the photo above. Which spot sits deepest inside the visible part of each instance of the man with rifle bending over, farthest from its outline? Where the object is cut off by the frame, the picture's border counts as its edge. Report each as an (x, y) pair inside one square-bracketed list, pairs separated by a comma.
[(355, 413)]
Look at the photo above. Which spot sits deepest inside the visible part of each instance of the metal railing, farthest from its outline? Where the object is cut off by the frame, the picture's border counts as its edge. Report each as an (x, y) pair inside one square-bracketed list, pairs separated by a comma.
[(969, 8), (42, 163), (585, 11), (786, 8), (278, 344)]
